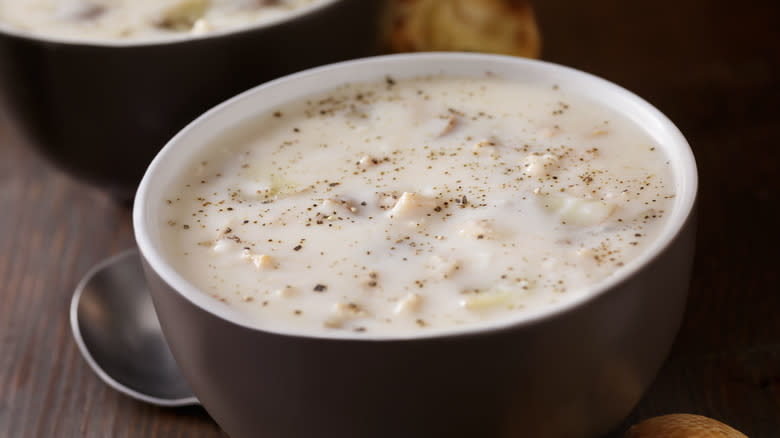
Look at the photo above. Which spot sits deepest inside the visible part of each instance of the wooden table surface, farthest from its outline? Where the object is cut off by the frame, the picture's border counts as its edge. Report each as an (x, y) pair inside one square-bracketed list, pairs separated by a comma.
[(712, 66)]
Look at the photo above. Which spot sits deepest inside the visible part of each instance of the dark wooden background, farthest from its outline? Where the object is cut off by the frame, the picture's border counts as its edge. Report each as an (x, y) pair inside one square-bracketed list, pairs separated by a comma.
[(712, 66)]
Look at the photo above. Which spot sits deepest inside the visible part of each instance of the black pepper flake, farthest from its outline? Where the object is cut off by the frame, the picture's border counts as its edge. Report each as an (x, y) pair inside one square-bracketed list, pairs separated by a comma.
[(390, 81), (186, 227), (277, 114), (297, 248), (334, 184), (320, 288)]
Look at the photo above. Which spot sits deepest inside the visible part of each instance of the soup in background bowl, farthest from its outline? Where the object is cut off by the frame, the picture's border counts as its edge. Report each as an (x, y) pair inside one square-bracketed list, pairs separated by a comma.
[(96, 20), (101, 105), (549, 217)]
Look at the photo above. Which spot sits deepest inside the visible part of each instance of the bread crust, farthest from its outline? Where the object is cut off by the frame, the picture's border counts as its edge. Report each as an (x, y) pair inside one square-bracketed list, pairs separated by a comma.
[(682, 426), (492, 26)]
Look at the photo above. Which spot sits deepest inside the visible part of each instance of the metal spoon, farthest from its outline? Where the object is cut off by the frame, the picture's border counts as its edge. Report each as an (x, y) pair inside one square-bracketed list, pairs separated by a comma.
[(118, 333)]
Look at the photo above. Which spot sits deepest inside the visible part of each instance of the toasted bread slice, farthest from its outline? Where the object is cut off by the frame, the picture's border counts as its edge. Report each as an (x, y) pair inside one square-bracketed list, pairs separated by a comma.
[(493, 26)]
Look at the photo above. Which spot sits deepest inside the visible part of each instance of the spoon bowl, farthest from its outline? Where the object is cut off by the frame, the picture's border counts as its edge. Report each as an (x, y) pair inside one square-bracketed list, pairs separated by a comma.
[(116, 329)]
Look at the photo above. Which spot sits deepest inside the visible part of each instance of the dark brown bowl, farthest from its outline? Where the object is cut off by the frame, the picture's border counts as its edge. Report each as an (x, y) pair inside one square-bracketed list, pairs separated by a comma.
[(102, 110)]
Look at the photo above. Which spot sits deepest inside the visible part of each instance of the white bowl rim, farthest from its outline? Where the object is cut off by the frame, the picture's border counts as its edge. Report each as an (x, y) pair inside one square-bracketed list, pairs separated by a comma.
[(681, 214), (166, 39)]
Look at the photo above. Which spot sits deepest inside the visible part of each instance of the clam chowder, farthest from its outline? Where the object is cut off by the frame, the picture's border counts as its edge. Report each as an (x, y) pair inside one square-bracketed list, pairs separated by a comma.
[(405, 205)]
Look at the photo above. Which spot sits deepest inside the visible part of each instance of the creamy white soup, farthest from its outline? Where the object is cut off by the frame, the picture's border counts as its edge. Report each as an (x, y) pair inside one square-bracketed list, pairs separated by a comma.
[(406, 205), (134, 19)]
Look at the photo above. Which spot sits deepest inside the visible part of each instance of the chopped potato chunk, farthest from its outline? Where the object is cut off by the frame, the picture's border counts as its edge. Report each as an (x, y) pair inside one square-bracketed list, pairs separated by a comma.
[(487, 299), (442, 267), (413, 205), (181, 15), (478, 229), (409, 304), (287, 291), (549, 132), (270, 190), (261, 261), (343, 312), (332, 209), (201, 26), (577, 211), (540, 165)]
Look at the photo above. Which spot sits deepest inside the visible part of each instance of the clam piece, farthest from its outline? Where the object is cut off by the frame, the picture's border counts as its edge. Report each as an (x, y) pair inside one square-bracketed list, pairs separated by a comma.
[(487, 146), (368, 161), (450, 122), (439, 126)]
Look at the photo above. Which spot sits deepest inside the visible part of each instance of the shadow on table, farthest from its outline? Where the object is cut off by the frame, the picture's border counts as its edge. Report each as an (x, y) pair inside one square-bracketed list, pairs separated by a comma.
[(190, 420)]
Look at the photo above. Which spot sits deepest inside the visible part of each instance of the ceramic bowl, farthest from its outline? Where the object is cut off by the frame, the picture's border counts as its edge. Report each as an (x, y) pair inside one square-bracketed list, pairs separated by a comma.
[(574, 369)]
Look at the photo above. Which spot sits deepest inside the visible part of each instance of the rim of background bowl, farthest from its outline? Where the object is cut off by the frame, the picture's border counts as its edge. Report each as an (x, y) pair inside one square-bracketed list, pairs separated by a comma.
[(167, 39), (678, 151)]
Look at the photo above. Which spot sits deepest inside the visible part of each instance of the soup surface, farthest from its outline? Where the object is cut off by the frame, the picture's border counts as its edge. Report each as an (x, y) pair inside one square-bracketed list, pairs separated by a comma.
[(406, 205), (139, 19)]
